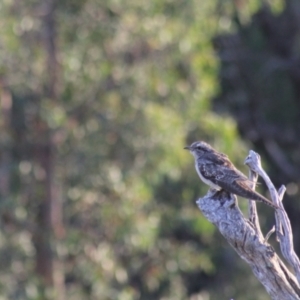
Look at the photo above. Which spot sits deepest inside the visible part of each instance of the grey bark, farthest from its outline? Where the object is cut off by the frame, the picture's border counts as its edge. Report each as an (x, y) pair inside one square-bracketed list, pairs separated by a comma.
[(245, 236)]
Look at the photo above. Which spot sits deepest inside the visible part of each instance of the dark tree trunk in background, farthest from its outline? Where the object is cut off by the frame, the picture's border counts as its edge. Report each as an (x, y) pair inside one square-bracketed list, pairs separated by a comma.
[(43, 196), (49, 37), (49, 212)]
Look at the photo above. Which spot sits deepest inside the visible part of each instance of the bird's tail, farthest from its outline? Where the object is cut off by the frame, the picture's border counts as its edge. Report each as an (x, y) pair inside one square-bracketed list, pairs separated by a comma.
[(257, 197), (241, 188)]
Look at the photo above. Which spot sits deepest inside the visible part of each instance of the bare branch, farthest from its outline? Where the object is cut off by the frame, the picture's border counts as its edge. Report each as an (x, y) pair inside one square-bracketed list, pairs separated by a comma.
[(283, 225), (252, 211), (270, 233)]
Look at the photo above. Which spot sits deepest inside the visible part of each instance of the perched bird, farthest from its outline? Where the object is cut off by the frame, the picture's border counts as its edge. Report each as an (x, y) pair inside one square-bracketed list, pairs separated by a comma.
[(216, 170)]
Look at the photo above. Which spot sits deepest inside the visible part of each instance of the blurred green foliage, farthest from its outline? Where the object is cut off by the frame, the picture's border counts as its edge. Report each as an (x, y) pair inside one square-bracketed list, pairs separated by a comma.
[(98, 99)]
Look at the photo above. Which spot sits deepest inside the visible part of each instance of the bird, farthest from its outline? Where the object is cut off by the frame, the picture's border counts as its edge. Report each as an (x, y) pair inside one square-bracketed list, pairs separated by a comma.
[(216, 170)]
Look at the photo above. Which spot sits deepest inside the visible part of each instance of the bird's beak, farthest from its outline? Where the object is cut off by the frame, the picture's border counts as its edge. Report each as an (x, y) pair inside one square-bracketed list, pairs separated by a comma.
[(187, 148)]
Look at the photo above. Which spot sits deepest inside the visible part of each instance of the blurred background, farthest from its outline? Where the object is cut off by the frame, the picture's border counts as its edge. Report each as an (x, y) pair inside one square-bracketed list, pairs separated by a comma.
[(98, 99)]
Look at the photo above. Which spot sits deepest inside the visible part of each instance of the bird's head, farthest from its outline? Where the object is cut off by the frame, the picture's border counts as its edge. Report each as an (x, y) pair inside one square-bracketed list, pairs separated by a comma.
[(199, 148)]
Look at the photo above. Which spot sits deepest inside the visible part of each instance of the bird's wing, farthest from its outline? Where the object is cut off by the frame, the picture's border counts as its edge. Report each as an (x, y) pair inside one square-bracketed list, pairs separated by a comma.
[(211, 172), (223, 174)]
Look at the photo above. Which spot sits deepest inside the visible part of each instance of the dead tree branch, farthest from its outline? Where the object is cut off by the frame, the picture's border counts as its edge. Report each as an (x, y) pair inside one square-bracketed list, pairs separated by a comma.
[(246, 238), (283, 225)]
